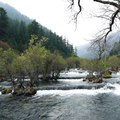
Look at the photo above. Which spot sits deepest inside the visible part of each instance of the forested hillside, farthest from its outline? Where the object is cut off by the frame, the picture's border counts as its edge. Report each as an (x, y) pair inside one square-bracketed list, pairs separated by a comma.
[(31, 50), (18, 29), (14, 14)]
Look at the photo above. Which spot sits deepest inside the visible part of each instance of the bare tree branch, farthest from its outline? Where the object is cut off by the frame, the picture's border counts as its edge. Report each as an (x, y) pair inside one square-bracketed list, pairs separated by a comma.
[(111, 23), (108, 3), (75, 16), (71, 4), (110, 15)]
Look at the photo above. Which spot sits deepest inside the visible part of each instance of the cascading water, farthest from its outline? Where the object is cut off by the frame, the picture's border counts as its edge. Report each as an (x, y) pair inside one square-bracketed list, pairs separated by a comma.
[(68, 99), (108, 88)]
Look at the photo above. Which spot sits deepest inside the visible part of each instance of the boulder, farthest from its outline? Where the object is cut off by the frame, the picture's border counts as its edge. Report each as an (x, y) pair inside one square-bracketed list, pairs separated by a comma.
[(27, 91), (18, 92), (97, 81), (94, 79), (107, 75), (91, 78), (30, 91), (6, 90)]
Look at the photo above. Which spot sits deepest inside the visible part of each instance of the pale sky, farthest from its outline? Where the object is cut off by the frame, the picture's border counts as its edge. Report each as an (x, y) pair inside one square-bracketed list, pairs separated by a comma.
[(55, 15)]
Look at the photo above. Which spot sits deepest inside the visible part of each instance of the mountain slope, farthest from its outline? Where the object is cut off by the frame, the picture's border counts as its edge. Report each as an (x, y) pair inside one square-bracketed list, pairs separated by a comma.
[(20, 28), (84, 51), (14, 14)]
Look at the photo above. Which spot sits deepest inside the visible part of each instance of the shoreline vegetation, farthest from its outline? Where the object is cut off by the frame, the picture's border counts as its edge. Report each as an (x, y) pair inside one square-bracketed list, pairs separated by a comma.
[(31, 50), (37, 62), (27, 90), (33, 62)]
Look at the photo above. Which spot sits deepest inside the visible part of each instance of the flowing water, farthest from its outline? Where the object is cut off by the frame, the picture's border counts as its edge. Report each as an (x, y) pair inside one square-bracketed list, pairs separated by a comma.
[(54, 102)]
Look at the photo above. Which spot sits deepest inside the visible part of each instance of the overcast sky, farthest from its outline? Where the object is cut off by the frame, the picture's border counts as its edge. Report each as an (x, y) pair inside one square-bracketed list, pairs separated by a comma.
[(54, 15)]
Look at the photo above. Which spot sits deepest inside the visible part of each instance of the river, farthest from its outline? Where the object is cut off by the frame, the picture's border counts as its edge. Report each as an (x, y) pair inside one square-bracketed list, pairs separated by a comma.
[(101, 103)]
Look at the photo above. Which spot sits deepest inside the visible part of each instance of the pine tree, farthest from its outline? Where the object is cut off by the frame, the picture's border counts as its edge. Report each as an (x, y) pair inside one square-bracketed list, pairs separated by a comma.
[(3, 23), (33, 28)]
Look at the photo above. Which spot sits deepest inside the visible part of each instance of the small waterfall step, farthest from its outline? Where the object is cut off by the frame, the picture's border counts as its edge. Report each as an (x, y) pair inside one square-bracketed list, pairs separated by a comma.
[(70, 87)]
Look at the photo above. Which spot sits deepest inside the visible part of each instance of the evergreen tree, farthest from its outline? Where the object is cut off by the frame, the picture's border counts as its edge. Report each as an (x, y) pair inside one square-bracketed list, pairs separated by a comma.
[(22, 36), (33, 28), (3, 23)]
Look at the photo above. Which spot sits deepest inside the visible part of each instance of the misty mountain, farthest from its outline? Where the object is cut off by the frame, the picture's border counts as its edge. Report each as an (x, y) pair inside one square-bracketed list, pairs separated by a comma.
[(14, 14), (85, 52), (115, 37), (19, 31)]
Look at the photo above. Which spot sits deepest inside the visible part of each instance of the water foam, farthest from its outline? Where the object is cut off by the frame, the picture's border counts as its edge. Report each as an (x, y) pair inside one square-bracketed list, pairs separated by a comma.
[(74, 74), (117, 89), (108, 88), (64, 92), (71, 80)]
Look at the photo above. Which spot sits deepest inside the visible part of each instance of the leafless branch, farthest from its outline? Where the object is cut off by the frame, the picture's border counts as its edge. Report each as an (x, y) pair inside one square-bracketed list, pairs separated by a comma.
[(107, 3), (111, 23), (109, 14), (72, 3)]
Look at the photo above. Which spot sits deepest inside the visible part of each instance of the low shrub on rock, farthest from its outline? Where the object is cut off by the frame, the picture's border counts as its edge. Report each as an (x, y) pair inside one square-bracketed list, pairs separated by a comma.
[(94, 79), (30, 91), (107, 75), (27, 91), (6, 90)]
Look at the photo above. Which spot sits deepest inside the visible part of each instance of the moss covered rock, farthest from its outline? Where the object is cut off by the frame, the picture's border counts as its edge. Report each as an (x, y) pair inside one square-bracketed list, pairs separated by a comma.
[(107, 75), (94, 79), (27, 91), (30, 91), (91, 78), (6, 90), (97, 81), (18, 90)]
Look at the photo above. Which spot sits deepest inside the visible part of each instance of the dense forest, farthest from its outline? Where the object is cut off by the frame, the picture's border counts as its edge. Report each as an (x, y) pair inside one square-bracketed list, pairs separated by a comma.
[(17, 34)]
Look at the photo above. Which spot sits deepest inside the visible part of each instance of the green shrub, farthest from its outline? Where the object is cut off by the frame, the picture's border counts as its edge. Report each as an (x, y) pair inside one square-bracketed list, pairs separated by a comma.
[(6, 90), (107, 75)]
